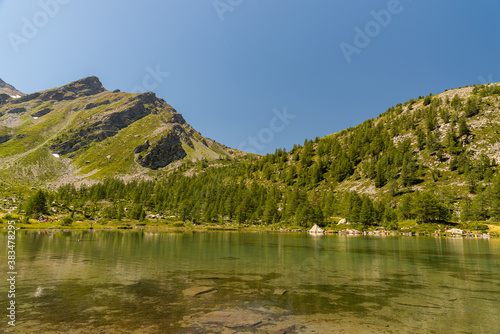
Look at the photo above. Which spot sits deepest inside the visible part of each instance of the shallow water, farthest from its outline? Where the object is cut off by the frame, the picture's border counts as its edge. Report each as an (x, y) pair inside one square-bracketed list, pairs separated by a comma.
[(201, 282)]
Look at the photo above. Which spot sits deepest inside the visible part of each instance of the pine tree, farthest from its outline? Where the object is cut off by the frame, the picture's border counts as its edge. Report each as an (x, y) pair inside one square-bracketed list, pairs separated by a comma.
[(421, 140), (494, 191), (37, 204), (270, 210), (409, 170), (466, 210), (471, 107), (463, 129), (456, 102), (366, 214), (381, 171), (405, 207)]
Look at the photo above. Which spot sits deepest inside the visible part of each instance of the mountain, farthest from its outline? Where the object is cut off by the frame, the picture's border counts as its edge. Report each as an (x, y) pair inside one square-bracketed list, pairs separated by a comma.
[(441, 149), (432, 159), (81, 131), (9, 90)]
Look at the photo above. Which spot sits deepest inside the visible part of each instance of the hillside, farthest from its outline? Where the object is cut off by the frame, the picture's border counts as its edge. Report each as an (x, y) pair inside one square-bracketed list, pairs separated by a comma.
[(431, 160), (81, 131), (9, 90), (443, 146)]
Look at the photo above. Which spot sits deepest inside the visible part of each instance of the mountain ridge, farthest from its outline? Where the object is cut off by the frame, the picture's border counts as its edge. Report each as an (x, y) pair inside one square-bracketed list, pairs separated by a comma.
[(432, 159), (88, 127), (9, 90)]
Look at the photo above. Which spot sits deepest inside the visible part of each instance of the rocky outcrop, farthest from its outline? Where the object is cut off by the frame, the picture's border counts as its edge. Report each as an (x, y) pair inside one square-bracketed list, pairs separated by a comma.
[(41, 113), (83, 117), (9, 90), (80, 88), (4, 98), (16, 110), (95, 105), (142, 148), (107, 126), (163, 152), (4, 139)]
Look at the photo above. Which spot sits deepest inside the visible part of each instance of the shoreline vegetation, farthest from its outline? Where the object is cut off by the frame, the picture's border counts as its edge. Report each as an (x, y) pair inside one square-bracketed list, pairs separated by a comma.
[(405, 228), (427, 166)]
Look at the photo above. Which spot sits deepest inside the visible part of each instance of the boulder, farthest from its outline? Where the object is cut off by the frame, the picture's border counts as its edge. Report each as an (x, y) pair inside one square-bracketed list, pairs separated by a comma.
[(197, 290)]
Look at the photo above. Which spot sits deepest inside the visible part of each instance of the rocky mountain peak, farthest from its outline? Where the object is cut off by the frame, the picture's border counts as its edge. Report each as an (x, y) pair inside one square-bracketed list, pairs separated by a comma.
[(9, 90), (85, 87), (81, 88)]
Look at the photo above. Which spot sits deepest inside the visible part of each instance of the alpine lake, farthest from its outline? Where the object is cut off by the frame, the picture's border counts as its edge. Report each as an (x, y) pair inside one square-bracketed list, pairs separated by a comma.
[(242, 282)]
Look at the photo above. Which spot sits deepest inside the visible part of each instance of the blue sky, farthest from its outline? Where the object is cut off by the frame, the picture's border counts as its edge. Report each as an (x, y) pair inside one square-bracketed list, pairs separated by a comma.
[(234, 65)]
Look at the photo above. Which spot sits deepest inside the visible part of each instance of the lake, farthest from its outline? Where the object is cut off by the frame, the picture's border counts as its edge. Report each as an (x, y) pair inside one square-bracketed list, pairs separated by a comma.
[(232, 282)]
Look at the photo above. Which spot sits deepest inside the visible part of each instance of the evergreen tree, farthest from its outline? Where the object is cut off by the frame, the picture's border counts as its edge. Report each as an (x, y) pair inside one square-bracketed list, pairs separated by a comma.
[(405, 207), (479, 207), (37, 204), (494, 191), (432, 142), (466, 210), (270, 210), (409, 170), (421, 140), (381, 171), (366, 214), (463, 129), (471, 107), (456, 102), (426, 208)]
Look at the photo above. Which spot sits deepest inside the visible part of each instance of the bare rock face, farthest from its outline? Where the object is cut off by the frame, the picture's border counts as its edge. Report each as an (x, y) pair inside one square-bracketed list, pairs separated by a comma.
[(42, 112), (142, 148), (16, 110), (163, 152), (4, 98), (4, 139), (80, 88), (107, 126), (9, 90), (83, 116)]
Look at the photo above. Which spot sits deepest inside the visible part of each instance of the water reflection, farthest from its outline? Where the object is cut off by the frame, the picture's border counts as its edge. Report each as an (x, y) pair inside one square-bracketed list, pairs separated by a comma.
[(170, 282)]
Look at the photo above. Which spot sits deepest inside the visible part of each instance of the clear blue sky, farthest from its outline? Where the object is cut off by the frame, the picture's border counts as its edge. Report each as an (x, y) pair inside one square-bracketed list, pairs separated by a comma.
[(231, 62)]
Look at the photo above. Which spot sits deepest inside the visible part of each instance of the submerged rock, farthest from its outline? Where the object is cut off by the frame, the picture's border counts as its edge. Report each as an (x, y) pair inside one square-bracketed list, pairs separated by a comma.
[(233, 319), (279, 292), (197, 290)]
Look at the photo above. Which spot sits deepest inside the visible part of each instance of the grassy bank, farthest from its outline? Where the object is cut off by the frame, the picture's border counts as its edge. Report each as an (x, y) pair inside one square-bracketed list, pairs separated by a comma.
[(402, 228)]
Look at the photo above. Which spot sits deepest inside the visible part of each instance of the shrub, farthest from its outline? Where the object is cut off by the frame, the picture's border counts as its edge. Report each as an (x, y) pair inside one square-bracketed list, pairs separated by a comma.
[(37, 204), (66, 221), (471, 107), (427, 100)]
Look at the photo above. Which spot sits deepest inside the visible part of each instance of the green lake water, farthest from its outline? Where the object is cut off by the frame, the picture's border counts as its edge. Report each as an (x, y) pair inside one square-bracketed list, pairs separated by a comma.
[(231, 282)]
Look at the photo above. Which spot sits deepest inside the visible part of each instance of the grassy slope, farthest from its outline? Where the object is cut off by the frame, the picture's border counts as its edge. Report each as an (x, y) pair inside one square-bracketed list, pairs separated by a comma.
[(27, 159)]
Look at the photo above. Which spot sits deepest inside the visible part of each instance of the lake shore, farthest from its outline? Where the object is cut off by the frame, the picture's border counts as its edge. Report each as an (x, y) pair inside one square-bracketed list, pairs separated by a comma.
[(420, 230), (404, 228)]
